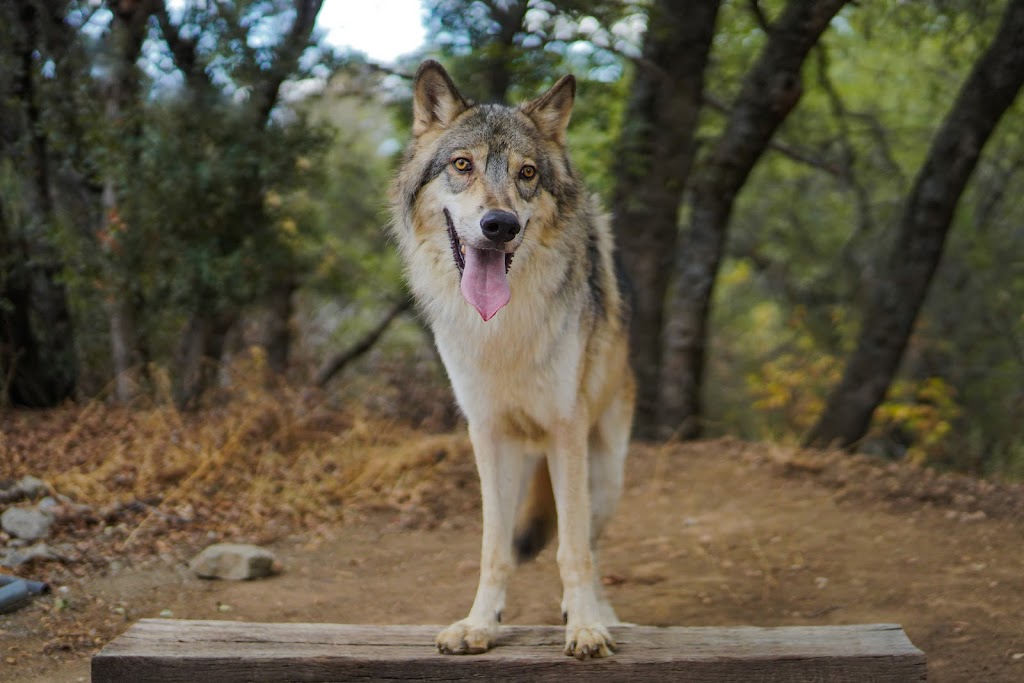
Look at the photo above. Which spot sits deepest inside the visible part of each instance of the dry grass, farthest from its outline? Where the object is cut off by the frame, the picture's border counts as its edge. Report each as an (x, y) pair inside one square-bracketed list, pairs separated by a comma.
[(262, 460)]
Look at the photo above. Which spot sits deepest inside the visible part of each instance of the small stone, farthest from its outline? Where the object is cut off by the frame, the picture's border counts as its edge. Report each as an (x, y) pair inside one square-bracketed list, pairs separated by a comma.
[(166, 613), (820, 582), (20, 556), (233, 561), (221, 607), (1017, 655), (26, 523), (33, 487), (41, 551)]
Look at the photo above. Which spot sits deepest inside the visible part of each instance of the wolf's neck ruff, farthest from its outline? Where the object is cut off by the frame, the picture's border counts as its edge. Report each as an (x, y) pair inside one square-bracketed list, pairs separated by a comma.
[(484, 281)]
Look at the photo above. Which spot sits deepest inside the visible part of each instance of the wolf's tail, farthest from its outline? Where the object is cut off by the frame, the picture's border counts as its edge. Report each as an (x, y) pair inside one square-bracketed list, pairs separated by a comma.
[(538, 519)]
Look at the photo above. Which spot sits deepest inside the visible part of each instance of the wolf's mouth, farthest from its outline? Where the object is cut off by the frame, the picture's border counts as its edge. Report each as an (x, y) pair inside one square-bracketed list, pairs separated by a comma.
[(482, 273), (459, 247)]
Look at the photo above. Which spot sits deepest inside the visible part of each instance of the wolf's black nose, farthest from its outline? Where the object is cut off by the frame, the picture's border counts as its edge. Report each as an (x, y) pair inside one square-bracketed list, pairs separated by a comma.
[(499, 226)]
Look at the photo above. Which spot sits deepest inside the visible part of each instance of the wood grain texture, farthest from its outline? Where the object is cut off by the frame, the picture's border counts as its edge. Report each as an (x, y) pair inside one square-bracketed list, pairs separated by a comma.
[(167, 650)]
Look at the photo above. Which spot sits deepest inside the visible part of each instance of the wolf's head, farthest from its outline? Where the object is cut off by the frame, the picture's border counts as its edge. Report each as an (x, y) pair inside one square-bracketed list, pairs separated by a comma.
[(478, 178)]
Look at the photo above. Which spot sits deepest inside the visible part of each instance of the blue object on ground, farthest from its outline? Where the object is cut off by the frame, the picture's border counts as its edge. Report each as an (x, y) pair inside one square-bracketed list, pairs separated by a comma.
[(14, 596)]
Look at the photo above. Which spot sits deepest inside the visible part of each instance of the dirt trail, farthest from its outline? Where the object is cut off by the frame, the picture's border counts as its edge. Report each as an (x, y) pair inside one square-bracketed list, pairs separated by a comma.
[(714, 533)]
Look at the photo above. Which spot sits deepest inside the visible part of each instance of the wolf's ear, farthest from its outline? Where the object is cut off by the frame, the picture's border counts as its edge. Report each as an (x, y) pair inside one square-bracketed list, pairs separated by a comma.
[(435, 100), (551, 110)]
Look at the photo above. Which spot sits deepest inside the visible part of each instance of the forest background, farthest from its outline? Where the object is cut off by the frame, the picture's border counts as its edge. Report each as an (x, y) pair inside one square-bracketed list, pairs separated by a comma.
[(816, 200)]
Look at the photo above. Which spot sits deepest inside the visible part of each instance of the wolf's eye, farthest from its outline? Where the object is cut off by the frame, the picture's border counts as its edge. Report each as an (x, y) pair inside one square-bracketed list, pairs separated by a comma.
[(463, 165), (527, 172)]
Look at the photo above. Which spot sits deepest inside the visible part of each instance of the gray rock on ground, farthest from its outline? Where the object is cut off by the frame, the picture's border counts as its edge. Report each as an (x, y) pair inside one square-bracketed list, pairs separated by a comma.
[(26, 523), (234, 561), (33, 487), (15, 557), (30, 487)]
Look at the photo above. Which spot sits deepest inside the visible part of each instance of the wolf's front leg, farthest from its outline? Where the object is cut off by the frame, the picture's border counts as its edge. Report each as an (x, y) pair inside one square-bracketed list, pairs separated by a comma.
[(586, 635), (504, 473)]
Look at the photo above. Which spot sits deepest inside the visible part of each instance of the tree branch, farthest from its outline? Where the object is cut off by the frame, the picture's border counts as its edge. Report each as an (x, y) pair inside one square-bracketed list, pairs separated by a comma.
[(339, 361), (286, 57), (759, 16), (798, 155), (183, 51)]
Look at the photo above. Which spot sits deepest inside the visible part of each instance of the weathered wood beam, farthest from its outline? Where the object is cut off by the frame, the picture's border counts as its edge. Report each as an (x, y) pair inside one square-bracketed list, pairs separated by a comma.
[(166, 651)]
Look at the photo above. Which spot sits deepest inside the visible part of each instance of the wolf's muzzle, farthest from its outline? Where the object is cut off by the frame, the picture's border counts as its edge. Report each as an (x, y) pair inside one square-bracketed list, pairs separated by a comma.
[(499, 226)]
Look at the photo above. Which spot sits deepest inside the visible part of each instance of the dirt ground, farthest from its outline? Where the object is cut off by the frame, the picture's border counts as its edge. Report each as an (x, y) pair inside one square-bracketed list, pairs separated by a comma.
[(714, 533)]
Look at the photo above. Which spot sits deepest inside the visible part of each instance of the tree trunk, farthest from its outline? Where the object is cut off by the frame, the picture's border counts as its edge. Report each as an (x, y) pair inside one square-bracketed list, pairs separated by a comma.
[(38, 364), (198, 356), (127, 34), (771, 89), (276, 336), (655, 153), (499, 52), (124, 354), (900, 289)]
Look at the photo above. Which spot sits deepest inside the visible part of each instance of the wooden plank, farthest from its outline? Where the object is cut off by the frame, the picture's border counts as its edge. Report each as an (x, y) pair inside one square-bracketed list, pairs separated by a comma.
[(181, 651)]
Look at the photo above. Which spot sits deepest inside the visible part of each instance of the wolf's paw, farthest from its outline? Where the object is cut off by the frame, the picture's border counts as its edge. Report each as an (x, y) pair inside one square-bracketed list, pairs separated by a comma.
[(466, 638), (584, 642)]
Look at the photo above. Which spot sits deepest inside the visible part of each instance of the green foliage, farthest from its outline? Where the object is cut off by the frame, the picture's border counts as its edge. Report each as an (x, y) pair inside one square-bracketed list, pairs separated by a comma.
[(807, 242)]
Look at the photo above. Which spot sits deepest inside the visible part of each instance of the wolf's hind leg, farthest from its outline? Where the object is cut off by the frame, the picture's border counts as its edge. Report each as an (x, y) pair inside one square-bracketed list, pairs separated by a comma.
[(505, 469), (608, 445)]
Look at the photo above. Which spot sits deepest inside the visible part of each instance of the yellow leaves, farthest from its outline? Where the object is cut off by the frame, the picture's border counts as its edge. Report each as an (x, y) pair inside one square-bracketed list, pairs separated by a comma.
[(925, 412), (792, 385), (735, 273), (764, 314), (289, 226), (272, 200)]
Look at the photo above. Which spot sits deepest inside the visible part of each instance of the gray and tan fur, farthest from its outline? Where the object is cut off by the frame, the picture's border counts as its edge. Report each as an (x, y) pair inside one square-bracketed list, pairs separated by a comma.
[(543, 378)]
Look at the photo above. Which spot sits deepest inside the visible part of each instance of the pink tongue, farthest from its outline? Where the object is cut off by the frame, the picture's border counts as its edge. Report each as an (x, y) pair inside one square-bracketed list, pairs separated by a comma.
[(483, 281)]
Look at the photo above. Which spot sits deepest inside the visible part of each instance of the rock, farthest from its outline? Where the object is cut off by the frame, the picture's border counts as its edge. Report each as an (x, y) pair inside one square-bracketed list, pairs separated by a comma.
[(20, 556), (33, 487), (40, 551), (26, 523), (234, 561), (28, 486)]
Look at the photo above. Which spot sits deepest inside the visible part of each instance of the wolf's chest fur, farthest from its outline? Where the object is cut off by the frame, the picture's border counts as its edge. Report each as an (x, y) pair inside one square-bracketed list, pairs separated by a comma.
[(522, 365)]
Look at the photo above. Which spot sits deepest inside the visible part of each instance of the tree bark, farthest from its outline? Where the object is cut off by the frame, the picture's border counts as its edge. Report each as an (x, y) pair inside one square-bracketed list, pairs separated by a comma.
[(900, 290), (286, 58), (770, 91), (198, 356), (38, 363), (655, 152), (127, 33), (276, 336), (509, 17)]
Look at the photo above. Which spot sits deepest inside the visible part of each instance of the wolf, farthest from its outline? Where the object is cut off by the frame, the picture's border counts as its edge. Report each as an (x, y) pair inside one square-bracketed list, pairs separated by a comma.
[(513, 266)]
